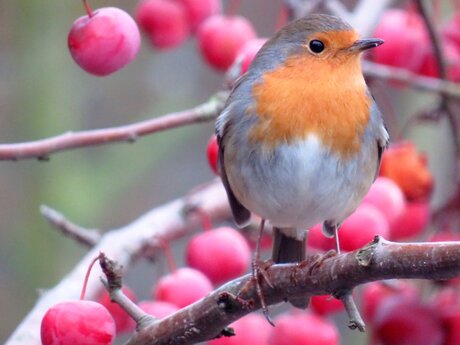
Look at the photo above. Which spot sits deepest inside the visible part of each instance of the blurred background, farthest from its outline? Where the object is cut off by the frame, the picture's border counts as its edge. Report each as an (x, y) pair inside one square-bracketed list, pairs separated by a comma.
[(44, 93)]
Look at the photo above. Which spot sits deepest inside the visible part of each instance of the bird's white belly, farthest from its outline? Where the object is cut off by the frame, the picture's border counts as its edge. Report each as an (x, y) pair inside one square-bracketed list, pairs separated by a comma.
[(302, 184)]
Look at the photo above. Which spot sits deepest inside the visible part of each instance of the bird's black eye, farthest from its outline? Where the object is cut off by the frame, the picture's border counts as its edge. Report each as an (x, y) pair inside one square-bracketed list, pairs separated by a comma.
[(316, 46)]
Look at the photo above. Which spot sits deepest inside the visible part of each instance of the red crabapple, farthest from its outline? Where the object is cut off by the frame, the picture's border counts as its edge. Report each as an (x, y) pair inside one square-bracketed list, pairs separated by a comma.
[(299, 328), (253, 329), (317, 240), (408, 168), (326, 304), (158, 309), (412, 221), (212, 152), (403, 321), (198, 10), (405, 36), (164, 21), (447, 305), (375, 293), (123, 322), (362, 226), (182, 287), (451, 54), (248, 52), (220, 37), (387, 196), (221, 254), (77, 323), (104, 42)]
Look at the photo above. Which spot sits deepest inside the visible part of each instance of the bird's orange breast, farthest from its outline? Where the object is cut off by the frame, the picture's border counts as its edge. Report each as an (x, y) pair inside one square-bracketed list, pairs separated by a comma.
[(308, 95)]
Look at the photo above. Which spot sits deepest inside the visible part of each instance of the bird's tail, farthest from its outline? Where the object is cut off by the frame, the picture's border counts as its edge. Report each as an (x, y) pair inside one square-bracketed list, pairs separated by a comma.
[(289, 249)]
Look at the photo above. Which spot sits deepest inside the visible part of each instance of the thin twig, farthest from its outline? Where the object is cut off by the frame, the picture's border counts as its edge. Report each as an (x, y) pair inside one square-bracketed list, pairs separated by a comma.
[(42, 149), (113, 272), (354, 317), (88, 237), (416, 81)]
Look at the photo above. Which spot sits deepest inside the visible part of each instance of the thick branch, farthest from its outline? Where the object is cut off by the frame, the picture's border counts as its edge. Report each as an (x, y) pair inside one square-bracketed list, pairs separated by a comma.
[(168, 222), (41, 149), (206, 318)]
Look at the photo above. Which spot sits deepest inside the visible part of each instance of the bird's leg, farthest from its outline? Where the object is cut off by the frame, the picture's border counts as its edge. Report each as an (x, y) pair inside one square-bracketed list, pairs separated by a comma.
[(257, 270), (336, 236)]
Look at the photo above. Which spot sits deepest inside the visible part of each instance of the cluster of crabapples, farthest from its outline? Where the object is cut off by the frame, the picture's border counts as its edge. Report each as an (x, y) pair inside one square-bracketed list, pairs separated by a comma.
[(107, 39)]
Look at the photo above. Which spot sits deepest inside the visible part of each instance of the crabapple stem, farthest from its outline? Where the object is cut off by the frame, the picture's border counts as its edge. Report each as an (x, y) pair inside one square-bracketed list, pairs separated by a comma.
[(164, 244), (88, 271), (88, 9)]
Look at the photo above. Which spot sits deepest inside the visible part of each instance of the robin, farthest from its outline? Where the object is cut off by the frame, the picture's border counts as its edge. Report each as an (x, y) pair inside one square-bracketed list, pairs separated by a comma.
[(300, 137)]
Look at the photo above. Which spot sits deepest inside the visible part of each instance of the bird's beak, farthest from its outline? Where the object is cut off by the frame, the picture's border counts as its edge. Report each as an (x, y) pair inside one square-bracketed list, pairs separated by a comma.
[(365, 44)]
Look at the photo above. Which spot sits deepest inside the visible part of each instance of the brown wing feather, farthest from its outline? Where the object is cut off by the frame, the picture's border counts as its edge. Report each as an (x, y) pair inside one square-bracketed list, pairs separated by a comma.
[(241, 214)]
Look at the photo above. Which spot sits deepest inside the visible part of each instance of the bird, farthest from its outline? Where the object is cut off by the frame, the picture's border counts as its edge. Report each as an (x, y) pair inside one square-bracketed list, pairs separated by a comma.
[(300, 136)]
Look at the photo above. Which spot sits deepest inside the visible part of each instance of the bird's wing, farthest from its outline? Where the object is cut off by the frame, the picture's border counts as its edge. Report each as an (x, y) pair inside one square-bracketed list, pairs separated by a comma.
[(382, 144), (240, 213)]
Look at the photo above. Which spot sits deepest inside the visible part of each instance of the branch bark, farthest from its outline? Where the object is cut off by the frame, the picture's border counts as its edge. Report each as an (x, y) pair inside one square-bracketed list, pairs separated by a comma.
[(338, 275), (167, 222), (42, 149)]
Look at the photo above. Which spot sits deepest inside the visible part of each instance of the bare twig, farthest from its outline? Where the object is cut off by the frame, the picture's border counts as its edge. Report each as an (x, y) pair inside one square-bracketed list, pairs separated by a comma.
[(42, 149), (88, 237), (124, 244), (205, 319), (356, 321), (416, 81), (113, 272)]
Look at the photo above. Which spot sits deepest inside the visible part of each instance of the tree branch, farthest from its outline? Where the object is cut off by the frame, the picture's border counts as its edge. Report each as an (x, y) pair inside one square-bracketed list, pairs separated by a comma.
[(41, 149), (168, 222), (205, 319), (87, 237), (395, 74)]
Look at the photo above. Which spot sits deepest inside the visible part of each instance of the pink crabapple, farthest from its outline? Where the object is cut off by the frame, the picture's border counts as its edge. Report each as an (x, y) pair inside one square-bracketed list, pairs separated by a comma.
[(164, 22), (182, 287), (220, 37), (221, 254), (405, 36), (77, 323), (326, 304), (212, 152), (252, 329), (387, 196), (362, 226), (104, 42), (198, 10), (299, 328)]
